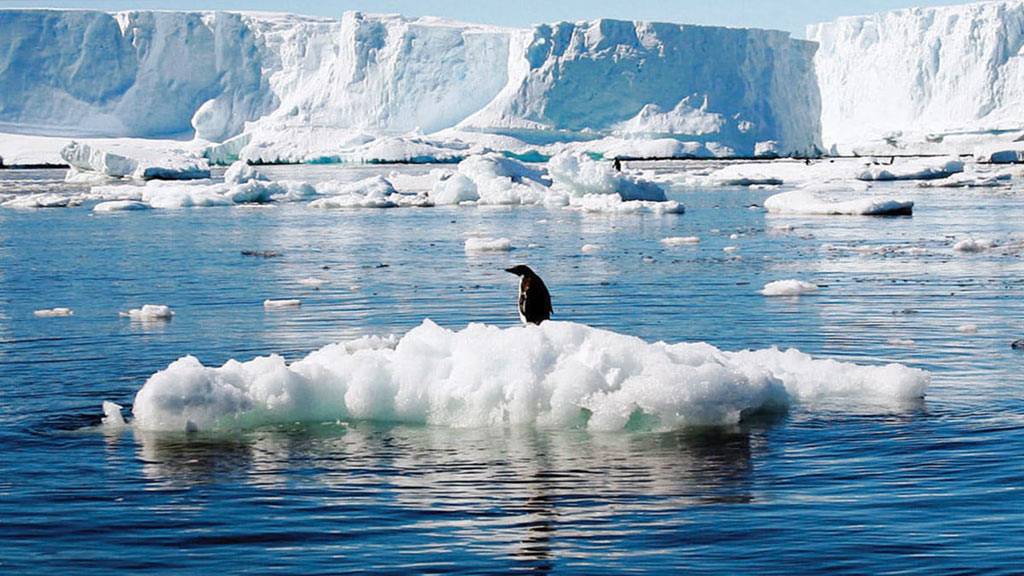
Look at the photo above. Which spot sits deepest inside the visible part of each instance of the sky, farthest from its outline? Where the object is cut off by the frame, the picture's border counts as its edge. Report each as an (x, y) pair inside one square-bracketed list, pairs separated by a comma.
[(791, 15)]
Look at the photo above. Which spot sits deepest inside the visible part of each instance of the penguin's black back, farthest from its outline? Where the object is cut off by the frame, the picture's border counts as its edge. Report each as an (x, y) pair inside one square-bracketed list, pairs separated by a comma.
[(534, 300)]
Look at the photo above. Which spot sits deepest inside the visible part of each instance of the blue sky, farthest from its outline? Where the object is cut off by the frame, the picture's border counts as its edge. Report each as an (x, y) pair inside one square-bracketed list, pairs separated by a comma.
[(790, 15)]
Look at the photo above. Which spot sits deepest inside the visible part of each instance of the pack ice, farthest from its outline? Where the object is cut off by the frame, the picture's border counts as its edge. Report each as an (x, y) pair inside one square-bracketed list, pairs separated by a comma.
[(556, 375)]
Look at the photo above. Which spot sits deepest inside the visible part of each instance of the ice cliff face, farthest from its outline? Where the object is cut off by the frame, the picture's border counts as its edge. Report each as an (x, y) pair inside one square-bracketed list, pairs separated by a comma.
[(216, 75), (922, 79), (735, 87)]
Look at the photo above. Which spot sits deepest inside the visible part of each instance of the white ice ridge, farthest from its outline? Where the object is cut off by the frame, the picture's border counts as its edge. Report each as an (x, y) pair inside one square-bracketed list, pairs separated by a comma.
[(322, 85), (940, 79), (556, 375)]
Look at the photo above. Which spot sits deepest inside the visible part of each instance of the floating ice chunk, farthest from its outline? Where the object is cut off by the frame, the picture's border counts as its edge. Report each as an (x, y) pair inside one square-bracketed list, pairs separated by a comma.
[(821, 203), (488, 245), (54, 313), (241, 172), (44, 200), (967, 329), (120, 206), (788, 288), (76, 176), (591, 248), (614, 204), (373, 192), (902, 342), (1001, 155), (275, 304), (407, 149), (556, 375), (313, 282), (972, 179), (495, 180), (254, 192), (680, 240), (149, 312), (112, 416), (923, 169), (580, 176), (123, 160), (730, 249), (972, 246)]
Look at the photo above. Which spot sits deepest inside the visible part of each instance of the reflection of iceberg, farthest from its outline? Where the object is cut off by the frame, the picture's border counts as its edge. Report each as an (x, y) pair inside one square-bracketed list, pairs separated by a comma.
[(558, 375)]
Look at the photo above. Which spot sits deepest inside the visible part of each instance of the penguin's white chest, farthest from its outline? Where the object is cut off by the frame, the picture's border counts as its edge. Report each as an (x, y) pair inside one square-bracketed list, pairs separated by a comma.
[(522, 300)]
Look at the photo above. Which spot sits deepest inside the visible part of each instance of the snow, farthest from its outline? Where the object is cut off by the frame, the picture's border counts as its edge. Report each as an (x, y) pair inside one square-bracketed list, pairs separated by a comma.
[(278, 304), (788, 288), (835, 203), (372, 192), (556, 375), (488, 245), (680, 241), (614, 204), (54, 313), (149, 312), (922, 80)]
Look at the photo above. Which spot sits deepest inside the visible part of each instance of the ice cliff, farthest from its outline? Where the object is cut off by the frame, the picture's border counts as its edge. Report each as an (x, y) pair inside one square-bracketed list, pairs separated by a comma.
[(334, 82), (922, 80)]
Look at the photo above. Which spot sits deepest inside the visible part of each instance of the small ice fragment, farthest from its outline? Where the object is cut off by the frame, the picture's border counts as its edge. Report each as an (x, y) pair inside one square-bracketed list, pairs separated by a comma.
[(273, 304), (730, 249), (904, 343), (488, 245), (972, 246), (149, 312), (313, 282), (590, 248), (734, 236), (967, 329), (54, 313), (112, 415), (680, 240), (788, 288), (120, 206)]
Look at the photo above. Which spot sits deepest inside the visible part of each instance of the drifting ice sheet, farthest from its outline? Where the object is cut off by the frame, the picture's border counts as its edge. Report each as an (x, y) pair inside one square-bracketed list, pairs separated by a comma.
[(557, 375), (827, 204)]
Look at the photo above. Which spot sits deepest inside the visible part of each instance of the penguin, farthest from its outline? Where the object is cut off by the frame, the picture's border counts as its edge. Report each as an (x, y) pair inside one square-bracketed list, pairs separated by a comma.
[(1018, 345), (534, 298)]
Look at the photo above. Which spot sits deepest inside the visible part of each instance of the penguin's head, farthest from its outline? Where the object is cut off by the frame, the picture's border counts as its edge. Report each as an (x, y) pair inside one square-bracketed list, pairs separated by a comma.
[(520, 270)]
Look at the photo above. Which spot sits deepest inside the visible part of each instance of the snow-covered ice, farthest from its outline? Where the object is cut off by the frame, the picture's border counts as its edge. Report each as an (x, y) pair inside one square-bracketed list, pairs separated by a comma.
[(120, 206), (680, 240), (54, 313), (117, 160), (835, 203), (582, 176), (286, 303), (488, 245), (556, 375), (788, 288), (149, 312)]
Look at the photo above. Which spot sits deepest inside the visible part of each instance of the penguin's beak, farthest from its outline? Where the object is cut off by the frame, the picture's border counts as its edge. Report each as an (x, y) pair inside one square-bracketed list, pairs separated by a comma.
[(510, 270)]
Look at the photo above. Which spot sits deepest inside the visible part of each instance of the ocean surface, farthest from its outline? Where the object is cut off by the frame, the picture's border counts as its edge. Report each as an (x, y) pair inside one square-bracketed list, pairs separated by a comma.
[(933, 487)]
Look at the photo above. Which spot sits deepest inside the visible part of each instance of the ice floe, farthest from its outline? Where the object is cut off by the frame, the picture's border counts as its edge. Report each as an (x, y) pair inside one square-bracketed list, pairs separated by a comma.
[(54, 313), (488, 245), (120, 206), (278, 304), (835, 203), (149, 312), (123, 161), (680, 240), (556, 375), (788, 288)]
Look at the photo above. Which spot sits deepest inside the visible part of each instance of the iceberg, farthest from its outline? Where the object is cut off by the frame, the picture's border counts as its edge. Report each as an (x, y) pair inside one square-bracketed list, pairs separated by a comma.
[(122, 161), (556, 375), (927, 80), (278, 87)]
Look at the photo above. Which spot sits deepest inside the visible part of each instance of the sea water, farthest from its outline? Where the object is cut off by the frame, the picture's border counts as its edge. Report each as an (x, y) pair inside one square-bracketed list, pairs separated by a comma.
[(928, 486)]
